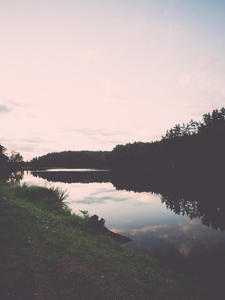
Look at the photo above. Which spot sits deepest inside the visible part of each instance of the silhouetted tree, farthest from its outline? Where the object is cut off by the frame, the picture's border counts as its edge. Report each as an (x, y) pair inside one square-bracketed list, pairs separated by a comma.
[(3, 157), (15, 157)]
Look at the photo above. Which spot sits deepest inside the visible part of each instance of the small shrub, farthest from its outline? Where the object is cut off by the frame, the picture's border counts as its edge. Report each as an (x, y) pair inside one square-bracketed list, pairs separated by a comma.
[(50, 198)]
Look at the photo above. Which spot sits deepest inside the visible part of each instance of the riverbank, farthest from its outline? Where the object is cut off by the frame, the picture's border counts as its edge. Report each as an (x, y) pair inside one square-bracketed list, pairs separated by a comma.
[(49, 253)]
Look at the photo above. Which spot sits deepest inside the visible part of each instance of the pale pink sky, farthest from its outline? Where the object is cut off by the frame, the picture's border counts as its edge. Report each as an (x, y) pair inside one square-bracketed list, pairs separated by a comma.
[(88, 75)]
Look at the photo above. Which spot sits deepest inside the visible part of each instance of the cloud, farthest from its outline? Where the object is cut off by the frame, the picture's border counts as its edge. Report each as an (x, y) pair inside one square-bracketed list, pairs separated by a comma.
[(4, 109), (101, 199), (190, 237), (185, 249), (28, 147), (146, 229), (149, 198), (17, 104), (12, 107)]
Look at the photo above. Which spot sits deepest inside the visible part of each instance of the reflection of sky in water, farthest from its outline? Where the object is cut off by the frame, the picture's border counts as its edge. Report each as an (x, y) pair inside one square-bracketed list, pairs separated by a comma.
[(184, 238), (143, 217), (122, 210)]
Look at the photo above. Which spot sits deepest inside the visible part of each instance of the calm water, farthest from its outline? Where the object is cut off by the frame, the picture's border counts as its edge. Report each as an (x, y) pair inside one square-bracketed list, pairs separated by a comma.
[(183, 232)]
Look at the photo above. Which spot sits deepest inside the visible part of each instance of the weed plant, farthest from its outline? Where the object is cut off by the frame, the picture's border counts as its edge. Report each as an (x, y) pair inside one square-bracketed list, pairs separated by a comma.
[(49, 253)]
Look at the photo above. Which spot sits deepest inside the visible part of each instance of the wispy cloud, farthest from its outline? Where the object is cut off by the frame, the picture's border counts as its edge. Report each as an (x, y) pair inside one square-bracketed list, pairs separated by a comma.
[(29, 147), (11, 106), (146, 229), (5, 109), (91, 132), (17, 104), (154, 228), (99, 134), (103, 197), (93, 200)]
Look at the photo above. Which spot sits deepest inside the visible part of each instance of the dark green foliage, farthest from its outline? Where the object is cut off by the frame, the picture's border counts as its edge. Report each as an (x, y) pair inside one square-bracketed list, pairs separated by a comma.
[(72, 159), (48, 198)]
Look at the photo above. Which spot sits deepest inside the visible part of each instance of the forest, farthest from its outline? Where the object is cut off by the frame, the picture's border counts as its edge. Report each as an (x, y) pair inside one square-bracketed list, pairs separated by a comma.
[(195, 149)]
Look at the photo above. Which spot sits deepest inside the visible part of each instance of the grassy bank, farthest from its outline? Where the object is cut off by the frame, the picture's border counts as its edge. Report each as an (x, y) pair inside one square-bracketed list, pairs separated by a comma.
[(49, 253)]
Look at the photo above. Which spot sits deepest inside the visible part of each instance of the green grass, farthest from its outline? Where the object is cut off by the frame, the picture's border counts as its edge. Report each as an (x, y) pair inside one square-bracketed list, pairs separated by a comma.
[(49, 253)]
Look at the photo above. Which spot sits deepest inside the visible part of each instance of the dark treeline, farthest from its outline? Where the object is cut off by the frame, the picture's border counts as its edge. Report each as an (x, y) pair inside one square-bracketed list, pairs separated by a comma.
[(196, 148), (73, 159)]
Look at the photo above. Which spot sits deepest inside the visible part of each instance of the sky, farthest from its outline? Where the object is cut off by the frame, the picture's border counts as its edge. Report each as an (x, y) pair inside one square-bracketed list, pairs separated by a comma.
[(92, 74)]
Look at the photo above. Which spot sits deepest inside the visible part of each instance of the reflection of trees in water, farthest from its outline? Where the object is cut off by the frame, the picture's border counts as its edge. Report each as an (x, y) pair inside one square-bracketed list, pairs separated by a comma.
[(181, 206), (210, 209), (194, 197), (13, 177), (213, 215), (72, 177), (16, 176)]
